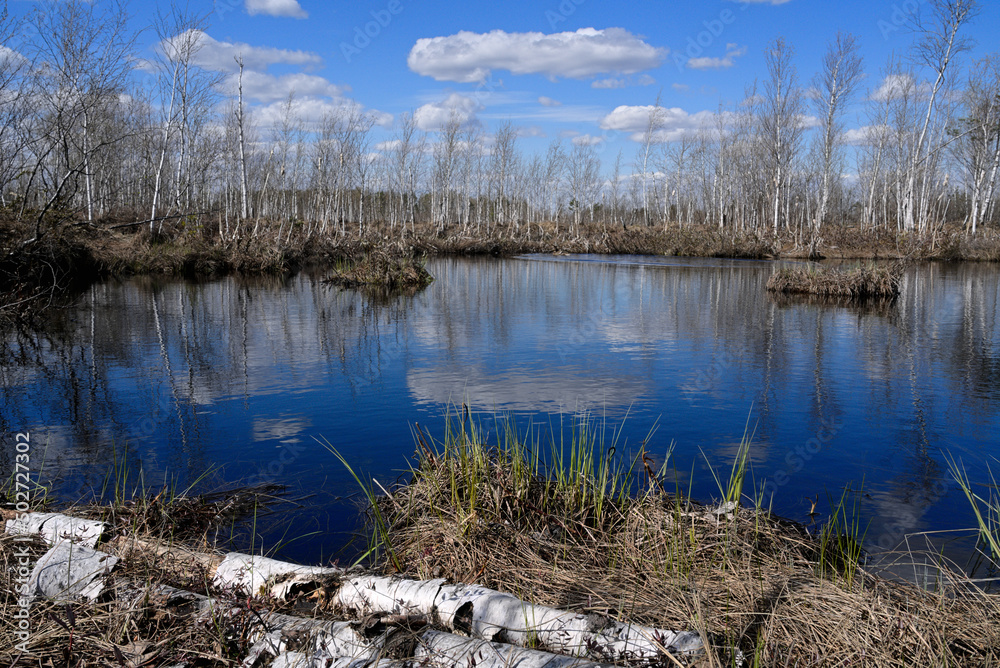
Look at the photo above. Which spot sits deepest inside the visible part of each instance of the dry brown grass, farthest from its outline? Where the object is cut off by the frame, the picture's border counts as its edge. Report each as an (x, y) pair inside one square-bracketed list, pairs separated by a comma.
[(383, 269), (80, 634), (859, 284), (747, 580), (125, 626)]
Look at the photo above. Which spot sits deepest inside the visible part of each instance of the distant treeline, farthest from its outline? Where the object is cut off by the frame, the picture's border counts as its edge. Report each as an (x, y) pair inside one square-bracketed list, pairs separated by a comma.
[(83, 138)]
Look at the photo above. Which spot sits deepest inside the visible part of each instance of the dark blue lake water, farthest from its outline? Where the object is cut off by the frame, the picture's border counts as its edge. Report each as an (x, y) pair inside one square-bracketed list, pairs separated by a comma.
[(238, 377)]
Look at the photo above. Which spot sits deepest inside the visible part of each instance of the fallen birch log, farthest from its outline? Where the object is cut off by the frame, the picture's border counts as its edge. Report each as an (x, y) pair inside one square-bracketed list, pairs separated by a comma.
[(447, 649), (251, 574), (168, 554), (260, 576), (317, 642), (54, 527), (483, 613), (492, 615), (69, 571)]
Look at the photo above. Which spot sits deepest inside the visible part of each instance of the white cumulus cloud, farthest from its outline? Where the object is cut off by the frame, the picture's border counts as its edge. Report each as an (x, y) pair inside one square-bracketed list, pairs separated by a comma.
[(312, 111), (276, 8), (388, 145), (435, 115), (221, 56), (11, 58), (469, 57), (895, 86), (548, 102), (587, 140), (623, 82), (809, 121), (609, 83), (718, 63), (531, 131), (672, 123), (866, 134), (269, 88)]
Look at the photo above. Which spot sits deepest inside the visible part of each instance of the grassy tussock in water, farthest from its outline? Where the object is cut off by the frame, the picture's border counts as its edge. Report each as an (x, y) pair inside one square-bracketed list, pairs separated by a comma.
[(859, 283), (381, 268), (568, 523)]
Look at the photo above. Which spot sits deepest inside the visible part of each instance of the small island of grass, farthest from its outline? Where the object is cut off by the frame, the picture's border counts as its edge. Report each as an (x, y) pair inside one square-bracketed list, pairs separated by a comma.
[(861, 283), (382, 269)]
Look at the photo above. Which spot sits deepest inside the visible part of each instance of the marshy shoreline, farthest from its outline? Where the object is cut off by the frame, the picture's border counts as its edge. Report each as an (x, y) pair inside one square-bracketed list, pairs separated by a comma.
[(567, 525), (36, 273), (565, 532)]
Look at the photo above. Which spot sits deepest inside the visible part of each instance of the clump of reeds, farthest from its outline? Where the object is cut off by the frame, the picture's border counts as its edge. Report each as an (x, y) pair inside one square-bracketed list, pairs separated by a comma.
[(860, 283), (985, 508), (381, 268), (567, 523)]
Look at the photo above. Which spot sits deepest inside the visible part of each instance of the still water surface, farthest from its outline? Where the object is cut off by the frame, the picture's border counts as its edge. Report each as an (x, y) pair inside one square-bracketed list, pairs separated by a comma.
[(179, 378)]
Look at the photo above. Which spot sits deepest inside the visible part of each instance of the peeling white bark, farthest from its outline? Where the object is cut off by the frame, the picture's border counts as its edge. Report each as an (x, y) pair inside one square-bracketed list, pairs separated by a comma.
[(374, 594), (342, 644), (261, 575), (496, 616), (69, 571), (55, 527), (302, 660), (326, 641), (446, 649), (168, 555)]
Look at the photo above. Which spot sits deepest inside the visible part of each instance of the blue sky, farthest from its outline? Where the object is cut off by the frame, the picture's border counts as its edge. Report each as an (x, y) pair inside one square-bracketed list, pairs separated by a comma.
[(556, 69)]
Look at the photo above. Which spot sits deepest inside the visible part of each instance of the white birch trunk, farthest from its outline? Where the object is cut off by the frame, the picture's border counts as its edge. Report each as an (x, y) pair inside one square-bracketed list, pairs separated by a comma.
[(242, 143), (259, 576), (493, 615), (345, 644), (163, 151)]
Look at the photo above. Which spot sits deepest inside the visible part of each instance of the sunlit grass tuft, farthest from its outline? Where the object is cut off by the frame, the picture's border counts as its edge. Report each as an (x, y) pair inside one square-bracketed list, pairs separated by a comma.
[(570, 515), (986, 509)]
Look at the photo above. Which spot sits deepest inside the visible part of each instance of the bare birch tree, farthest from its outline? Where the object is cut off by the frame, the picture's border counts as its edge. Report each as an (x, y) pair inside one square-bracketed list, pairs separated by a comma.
[(445, 156), (979, 134), (242, 144), (504, 160), (650, 136), (583, 174), (555, 171), (780, 122), (615, 188), (82, 60), (14, 93), (938, 45), (834, 86)]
